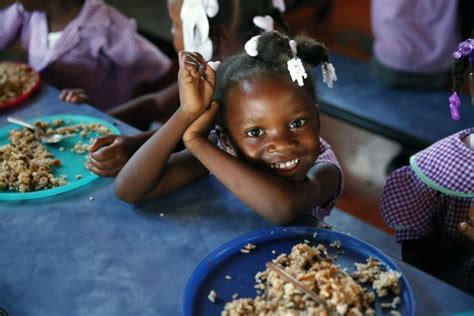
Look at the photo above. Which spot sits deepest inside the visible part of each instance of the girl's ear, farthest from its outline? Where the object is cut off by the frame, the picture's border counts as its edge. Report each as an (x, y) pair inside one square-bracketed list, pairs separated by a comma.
[(225, 141)]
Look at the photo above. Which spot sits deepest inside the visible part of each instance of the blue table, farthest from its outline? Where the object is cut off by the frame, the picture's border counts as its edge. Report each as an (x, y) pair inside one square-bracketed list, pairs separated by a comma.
[(69, 255)]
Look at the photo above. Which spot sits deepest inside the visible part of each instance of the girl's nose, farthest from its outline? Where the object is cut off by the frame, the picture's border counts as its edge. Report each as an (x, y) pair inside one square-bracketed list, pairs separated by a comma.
[(281, 142)]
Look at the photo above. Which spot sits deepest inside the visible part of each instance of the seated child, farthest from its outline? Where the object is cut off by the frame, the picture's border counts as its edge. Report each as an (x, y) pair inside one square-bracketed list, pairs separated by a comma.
[(83, 44), (269, 152), (228, 26), (430, 204)]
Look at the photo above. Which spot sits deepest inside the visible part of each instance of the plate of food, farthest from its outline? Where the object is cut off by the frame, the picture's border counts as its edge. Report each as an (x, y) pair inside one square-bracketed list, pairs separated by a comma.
[(18, 81), (31, 169), (290, 270)]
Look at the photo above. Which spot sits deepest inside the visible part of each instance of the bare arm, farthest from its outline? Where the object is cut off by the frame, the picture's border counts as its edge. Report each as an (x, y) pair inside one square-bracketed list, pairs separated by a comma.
[(154, 169), (141, 111), (275, 199)]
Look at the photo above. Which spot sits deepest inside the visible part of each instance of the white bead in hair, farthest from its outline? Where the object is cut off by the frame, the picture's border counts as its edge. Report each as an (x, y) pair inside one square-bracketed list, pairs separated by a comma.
[(329, 74), (295, 66)]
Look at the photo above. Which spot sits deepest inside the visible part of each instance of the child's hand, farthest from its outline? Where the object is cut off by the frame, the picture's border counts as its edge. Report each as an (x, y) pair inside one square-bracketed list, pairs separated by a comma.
[(196, 83), (109, 154), (201, 126), (73, 95), (467, 228)]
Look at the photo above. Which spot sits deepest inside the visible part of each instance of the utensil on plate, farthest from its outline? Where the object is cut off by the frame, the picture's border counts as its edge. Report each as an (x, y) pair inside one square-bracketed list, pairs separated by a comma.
[(49, 138)]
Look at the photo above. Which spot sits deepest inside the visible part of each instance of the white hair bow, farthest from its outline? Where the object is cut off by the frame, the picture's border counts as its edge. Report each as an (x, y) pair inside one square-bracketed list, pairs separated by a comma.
[(266, 24), (194, 16), (279, 4)]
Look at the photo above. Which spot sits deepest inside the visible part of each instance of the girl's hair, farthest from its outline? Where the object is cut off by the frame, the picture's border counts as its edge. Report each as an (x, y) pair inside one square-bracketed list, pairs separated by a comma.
[(459, 70), (271, 62), (237, 16)]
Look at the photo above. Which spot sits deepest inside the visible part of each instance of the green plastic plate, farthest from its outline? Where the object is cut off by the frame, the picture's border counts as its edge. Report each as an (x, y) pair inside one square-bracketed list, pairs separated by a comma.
[(72, 164)]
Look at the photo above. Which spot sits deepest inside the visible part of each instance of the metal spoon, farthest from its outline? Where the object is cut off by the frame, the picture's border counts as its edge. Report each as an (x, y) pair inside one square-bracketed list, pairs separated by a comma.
[(44, 137)]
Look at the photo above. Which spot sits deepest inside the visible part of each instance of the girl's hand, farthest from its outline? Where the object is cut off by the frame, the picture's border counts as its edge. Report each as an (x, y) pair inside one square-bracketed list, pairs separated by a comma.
[(109, 154), (467, 228), (73, 95), (196, 84), (201, 127)]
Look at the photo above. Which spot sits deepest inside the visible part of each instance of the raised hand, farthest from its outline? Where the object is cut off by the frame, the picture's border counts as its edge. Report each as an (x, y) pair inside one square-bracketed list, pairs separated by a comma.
[(197, 82)]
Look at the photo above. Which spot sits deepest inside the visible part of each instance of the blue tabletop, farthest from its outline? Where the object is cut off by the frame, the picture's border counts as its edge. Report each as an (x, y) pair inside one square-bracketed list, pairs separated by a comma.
[(85, 252)]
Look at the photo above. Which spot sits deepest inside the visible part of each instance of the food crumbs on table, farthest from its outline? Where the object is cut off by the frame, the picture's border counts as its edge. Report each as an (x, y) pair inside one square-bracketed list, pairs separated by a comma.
[(228, 277), (162, 214), (244, 250), (61, 148), (78, 176), (273, 251), (91, 198), (235, 296), (335, 244), (306, 241), (315, 234), (212, 296)]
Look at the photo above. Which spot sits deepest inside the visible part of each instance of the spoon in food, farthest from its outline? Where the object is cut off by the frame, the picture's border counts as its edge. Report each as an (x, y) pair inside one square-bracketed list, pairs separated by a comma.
[(49, 138)]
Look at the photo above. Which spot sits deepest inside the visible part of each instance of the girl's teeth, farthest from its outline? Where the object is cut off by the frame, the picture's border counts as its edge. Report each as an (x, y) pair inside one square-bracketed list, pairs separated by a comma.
[(285, 165)]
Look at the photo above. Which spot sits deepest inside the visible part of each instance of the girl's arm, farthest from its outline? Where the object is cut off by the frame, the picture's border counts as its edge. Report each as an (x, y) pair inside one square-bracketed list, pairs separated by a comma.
[(153, 170), (275, 199), (141, 111)]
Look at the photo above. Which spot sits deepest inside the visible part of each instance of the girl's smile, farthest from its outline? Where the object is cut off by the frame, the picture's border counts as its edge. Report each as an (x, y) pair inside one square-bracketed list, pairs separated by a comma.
[(273, 125)]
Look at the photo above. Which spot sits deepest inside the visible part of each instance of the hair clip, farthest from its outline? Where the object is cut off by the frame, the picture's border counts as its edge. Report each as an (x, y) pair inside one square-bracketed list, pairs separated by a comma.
[(194, 16), (295, 66), (264, 22), (279, 4), (454, 104), (329, 74), (251, 46)]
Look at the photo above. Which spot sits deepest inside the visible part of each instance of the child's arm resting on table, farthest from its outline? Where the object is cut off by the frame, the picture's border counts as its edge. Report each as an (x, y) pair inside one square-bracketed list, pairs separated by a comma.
[(154, 170), (273, 198)]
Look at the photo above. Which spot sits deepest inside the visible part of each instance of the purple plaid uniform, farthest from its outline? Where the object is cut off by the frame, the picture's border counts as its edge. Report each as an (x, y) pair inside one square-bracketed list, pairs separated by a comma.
[(328, 156), (429, 198), (99, 51)]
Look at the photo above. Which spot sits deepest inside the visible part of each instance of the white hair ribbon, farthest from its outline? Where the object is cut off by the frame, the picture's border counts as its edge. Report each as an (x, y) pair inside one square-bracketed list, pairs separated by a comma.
[(279, 4), (295, 66), (264, 22), (194, 15), (214, 64), (251, 46), (329, 74)]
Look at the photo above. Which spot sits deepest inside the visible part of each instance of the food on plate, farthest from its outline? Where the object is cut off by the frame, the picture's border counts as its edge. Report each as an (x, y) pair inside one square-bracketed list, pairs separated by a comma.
[(16, 79), (309, 282), (27, 165)]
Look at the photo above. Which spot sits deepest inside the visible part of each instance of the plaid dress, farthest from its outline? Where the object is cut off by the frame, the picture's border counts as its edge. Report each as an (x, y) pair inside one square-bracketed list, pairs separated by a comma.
[(99, 51), (429, 198)]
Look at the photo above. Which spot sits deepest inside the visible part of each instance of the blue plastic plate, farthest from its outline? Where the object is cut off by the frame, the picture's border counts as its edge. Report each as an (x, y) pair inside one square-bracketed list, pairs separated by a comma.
[(228, 260), (72, 164)]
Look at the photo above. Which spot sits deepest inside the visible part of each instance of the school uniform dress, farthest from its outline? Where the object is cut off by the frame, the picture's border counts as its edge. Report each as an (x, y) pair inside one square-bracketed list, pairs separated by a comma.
[(428, 199), (99, 51), (328, 156)]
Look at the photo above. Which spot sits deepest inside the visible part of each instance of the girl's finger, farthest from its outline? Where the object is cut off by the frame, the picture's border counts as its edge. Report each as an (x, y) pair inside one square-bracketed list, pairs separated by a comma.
[(102, 141)]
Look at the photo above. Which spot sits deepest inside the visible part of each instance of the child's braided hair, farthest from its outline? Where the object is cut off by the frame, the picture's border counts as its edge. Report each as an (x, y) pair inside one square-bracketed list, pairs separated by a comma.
[(271, 62)]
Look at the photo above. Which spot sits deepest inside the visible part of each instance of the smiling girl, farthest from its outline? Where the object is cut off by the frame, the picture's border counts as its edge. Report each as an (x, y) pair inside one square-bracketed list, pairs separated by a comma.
[(268, 153)]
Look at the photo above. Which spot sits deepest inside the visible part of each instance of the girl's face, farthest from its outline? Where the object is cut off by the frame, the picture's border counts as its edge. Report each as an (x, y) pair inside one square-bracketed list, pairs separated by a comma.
[(174, 10), (274, 126)]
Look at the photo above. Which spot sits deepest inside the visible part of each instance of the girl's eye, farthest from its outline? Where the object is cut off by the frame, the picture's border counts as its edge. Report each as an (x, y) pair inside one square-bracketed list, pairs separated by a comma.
[(254, 132), (297, 123)]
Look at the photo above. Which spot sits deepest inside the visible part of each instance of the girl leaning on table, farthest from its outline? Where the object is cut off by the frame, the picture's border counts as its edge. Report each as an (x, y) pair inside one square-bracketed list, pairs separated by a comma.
[(83, 44), (430, 203), (214, 28), (268, 152)]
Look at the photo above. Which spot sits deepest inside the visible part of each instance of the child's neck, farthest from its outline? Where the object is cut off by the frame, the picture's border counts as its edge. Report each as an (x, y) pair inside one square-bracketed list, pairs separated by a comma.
[(59, 16), (469, 141)]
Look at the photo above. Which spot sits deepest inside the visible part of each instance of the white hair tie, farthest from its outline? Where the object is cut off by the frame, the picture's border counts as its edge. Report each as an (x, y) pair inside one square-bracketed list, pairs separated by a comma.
[(194, 15), (264, 22)]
